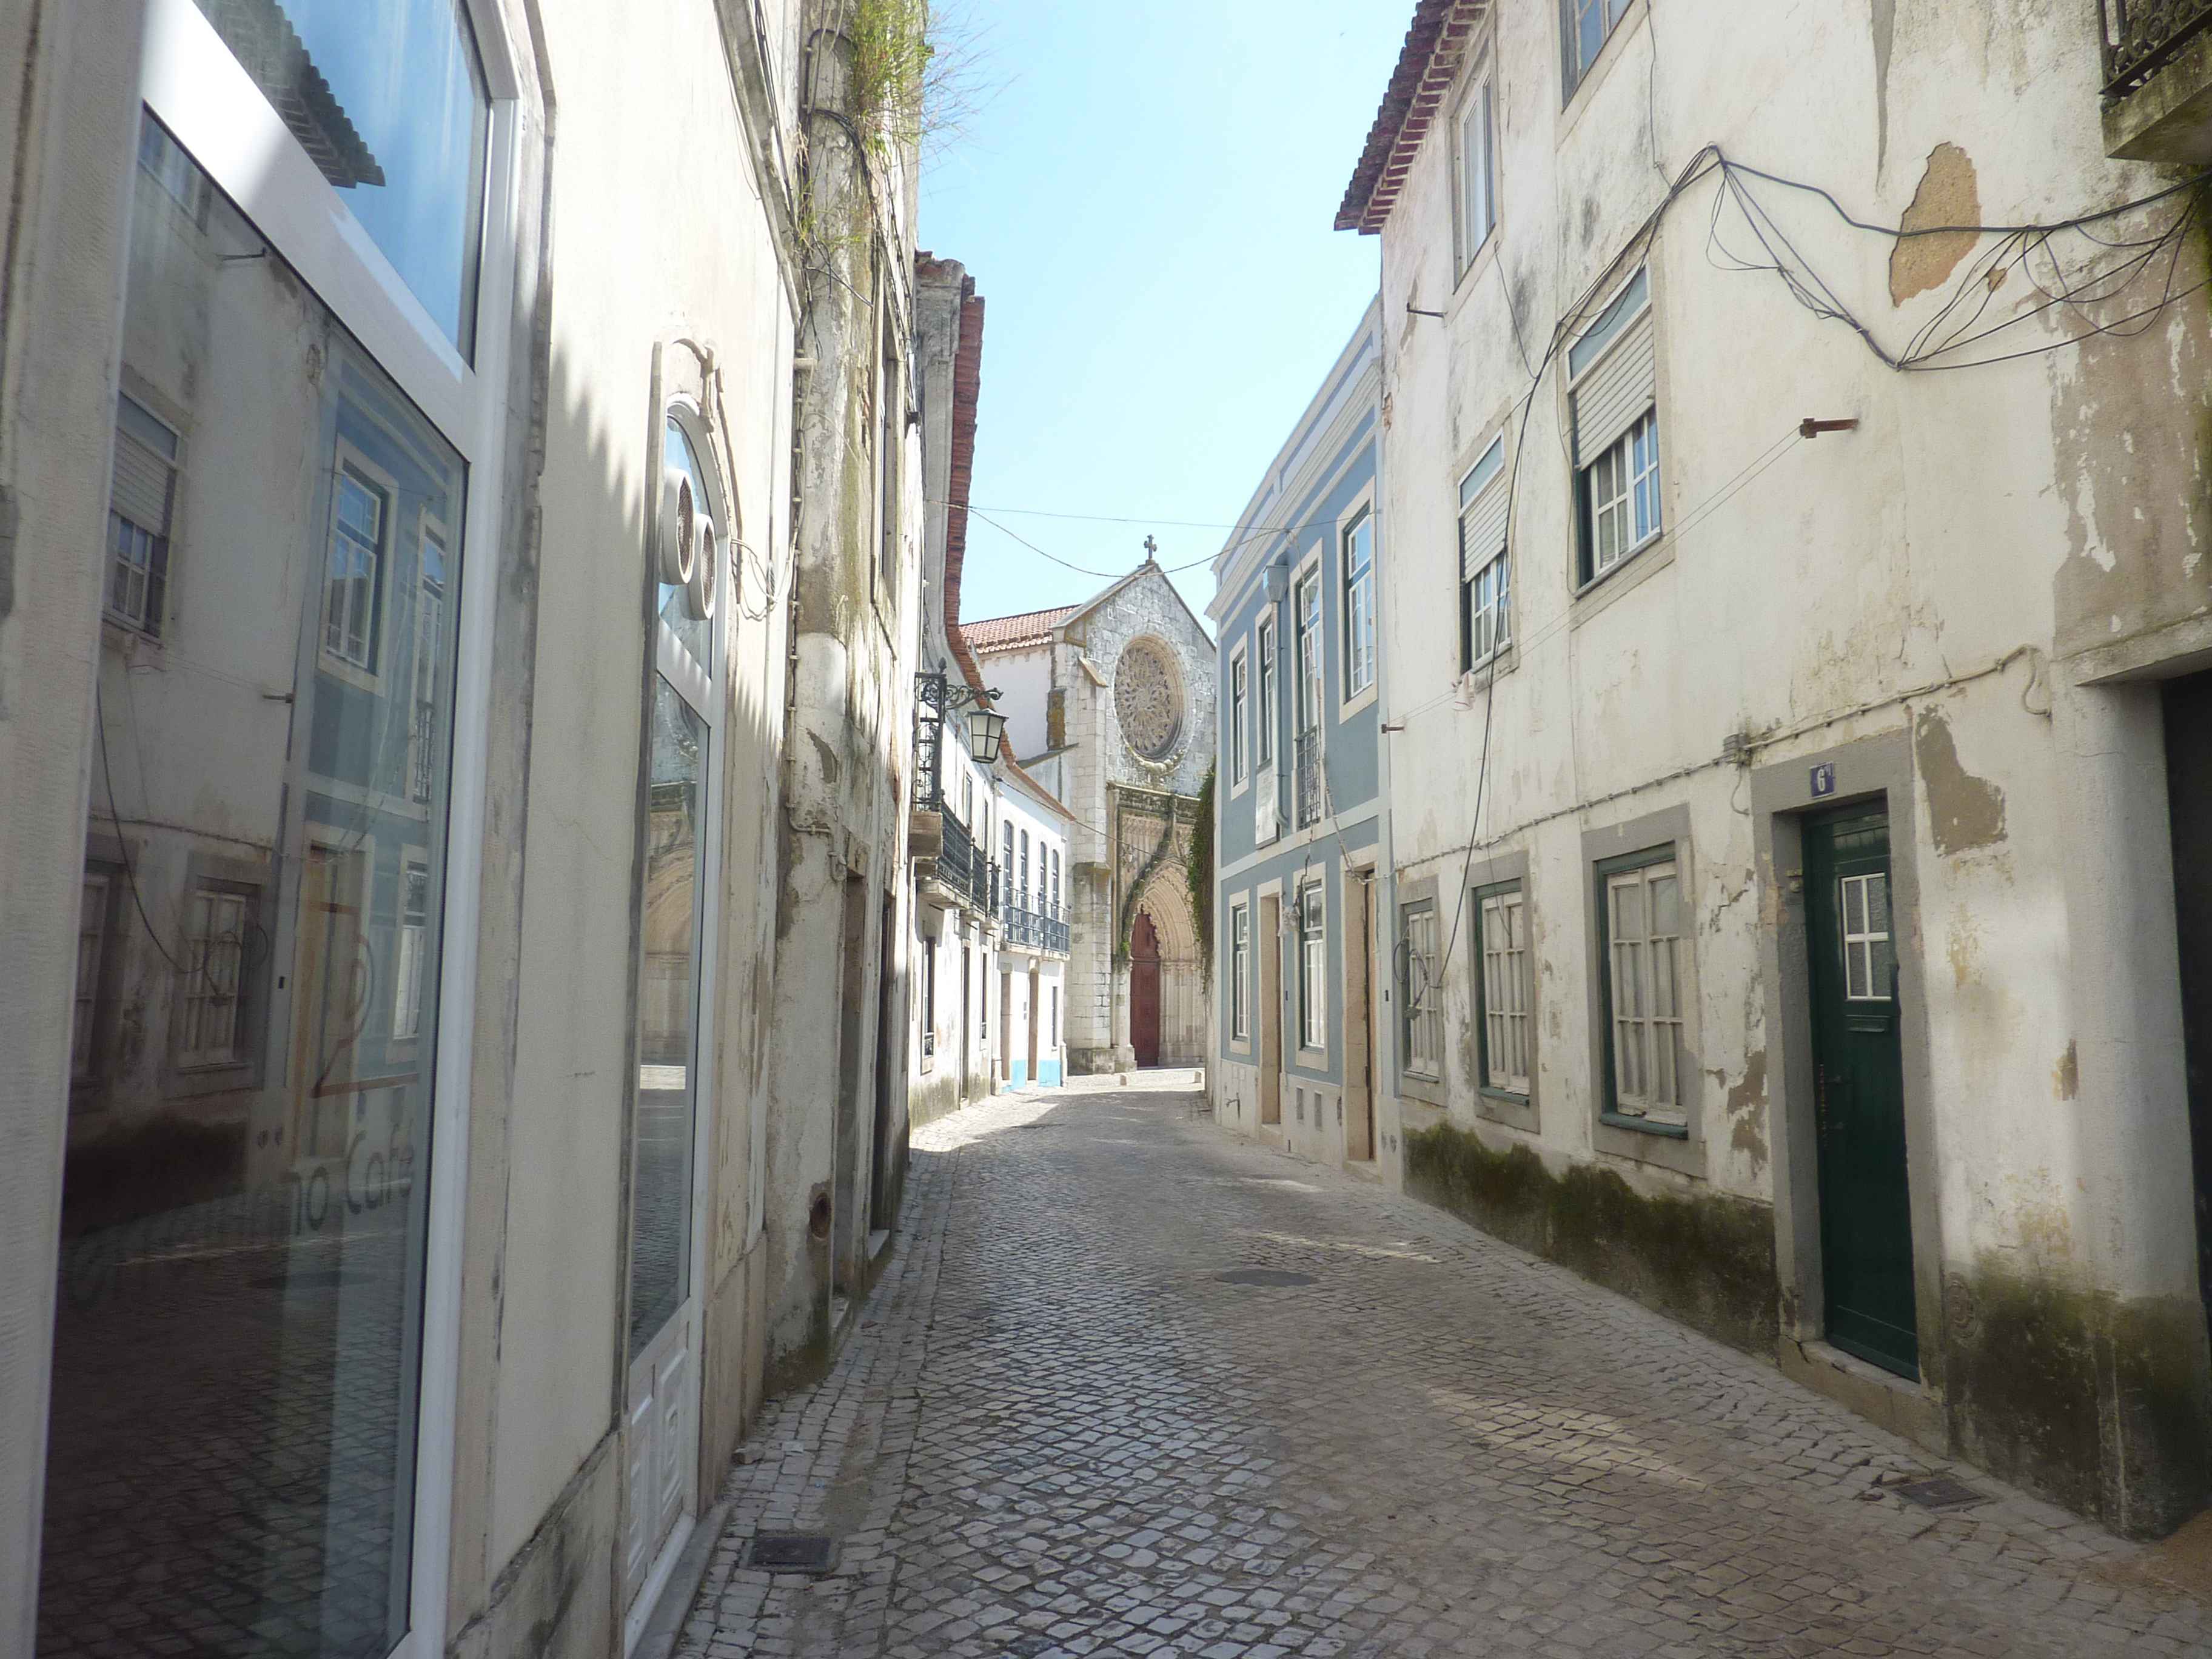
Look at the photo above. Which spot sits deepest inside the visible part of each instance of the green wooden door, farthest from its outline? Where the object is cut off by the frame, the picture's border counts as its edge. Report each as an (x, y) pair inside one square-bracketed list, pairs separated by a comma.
[(1866, 1216)]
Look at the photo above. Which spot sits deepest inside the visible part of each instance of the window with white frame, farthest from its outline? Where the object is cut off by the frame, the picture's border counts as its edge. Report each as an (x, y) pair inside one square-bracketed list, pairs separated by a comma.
[(1486, 586), (1309, 620), (1239, 711), (929, 997), (1585, 25), (1240, 965), (93, 909), (408, 956), (211, 1007), (1059, 894), (140, 502), (1313, 968), (1359, 564), (1642, 901), (1421, 994), (1502, 950), (1869, 953), (356, 573), (1474, 157), (1612, 370), (1022, 893), (1264, 644)]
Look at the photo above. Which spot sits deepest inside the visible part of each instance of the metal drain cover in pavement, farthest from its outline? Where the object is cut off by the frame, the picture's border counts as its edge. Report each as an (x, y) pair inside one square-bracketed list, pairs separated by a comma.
[(1264, 1276), (1941, 1493), (794, 1552)]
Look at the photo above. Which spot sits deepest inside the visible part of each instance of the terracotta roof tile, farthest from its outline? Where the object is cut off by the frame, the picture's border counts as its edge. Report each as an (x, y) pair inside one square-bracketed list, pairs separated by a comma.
[(1426, 64), (1011, 633)]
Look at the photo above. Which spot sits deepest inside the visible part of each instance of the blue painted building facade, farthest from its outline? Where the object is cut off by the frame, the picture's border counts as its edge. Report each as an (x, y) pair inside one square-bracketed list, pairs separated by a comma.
[(1302, 1050)]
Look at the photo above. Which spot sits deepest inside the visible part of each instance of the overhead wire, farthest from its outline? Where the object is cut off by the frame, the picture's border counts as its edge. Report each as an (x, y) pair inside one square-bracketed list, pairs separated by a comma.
[(1813, 291), (1941, 336)]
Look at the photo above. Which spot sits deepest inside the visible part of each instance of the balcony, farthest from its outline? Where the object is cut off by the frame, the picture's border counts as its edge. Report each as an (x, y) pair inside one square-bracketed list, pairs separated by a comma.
[(1308, 760), (1034, 930), (958, 869), (2157, 75), (959, 853)]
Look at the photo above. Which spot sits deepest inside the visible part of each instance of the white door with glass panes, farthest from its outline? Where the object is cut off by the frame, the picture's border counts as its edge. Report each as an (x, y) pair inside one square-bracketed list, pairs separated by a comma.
[(674, 1037)]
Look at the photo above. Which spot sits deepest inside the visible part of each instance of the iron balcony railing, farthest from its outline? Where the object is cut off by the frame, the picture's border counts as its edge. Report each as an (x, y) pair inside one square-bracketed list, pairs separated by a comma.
[(1040, 930), (1309, 778), (955, 857), (2142, 36), (961, 866)]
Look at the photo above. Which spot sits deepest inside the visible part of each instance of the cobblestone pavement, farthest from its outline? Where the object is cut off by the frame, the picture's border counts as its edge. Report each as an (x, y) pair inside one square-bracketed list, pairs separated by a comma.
[(1058, 1431)]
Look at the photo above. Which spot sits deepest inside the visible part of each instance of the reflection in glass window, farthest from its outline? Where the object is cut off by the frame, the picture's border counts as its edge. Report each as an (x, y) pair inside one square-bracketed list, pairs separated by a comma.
[(388, 99), (244, 1205), (211, 1016), (140, 496), (667, 1005), (91, 960), (357, 563)]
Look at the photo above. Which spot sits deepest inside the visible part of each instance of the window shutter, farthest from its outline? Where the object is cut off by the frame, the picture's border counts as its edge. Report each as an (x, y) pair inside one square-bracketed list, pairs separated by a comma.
[(1482, 529), (142, 486), (1615, 391)]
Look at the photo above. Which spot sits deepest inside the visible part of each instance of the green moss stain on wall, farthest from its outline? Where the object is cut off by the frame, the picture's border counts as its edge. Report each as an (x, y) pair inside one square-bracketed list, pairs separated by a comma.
[(2102, 1404), (1706, 1261), (928, 1101)]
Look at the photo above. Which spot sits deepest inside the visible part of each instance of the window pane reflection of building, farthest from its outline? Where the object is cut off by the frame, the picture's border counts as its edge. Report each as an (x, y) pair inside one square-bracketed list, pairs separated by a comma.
[(661, 1208), (388, 99), (237, 1336)]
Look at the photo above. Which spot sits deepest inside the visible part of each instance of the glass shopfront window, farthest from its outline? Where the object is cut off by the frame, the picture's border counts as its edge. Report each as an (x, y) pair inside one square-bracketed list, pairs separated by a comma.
[(387, 97), (660, 1214), (238, 1340)]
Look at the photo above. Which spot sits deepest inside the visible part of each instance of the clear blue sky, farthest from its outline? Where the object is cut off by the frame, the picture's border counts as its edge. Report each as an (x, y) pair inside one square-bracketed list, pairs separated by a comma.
[(1145, 199)]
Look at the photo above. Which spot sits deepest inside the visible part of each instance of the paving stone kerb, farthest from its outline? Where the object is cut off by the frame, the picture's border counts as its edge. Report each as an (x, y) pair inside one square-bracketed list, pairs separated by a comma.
[(1059, 1431)]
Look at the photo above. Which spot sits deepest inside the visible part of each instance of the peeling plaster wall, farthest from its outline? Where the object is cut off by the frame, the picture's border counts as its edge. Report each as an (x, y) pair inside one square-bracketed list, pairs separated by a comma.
[(847, 779), (669, 273), (1954, 571)]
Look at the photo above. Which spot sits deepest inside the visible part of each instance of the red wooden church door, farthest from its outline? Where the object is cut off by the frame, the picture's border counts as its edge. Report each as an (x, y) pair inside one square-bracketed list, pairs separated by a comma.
[(1144, 991)]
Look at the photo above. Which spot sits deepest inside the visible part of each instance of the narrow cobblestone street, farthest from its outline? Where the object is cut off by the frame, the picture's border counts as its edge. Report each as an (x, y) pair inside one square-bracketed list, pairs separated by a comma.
[(1060, 1430)]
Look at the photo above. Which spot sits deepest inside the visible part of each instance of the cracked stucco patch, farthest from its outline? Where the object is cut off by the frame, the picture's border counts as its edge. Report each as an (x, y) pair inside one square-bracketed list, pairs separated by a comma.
[(1948, 195), (1964, 812)]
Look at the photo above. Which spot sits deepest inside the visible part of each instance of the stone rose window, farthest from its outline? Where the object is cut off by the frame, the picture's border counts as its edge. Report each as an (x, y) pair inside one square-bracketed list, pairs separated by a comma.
[(1148, 700)]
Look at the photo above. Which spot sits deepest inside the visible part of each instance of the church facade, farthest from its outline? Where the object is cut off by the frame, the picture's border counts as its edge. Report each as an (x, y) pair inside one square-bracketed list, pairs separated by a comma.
[(1110, 706)]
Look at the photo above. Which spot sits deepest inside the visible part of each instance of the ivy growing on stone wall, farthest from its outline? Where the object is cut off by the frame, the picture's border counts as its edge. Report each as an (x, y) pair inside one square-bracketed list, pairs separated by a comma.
[(1198, 869)]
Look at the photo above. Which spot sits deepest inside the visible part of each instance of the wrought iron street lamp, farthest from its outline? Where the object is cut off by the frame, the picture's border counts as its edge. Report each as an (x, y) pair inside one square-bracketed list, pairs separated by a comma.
[(935, 697), (986, 732)]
